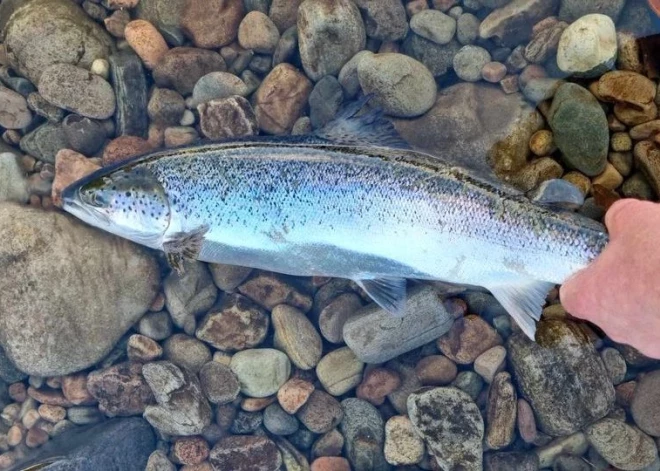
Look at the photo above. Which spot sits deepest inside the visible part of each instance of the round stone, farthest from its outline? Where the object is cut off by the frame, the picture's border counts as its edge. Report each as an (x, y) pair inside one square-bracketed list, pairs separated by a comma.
[(15, 113), (186, 351), (278, 422), (217, 85), (377, 384), (436, 370), (493, 72), (156, 325), (490, 362), (146, 41), (293, 394), (321, 413), (166, 106), (645, 406), (588, 47), (470, 61), (402, 444), (258, 32), (261, 372), (467, 339), (434, 26), (296, 335), (339, 371), (621, 445), (219, 384)]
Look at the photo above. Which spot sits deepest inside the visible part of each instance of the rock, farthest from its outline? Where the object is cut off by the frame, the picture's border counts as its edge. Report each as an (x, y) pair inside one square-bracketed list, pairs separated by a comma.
[(228, 277), (15, 113), (580, 129), (493, 72), (74, 388), (189, 294), (333, 316), (280, 99), (146, 41), (176, 136), (182, 408), (490, 362), (438, 58), (501, 412), (645, 406), (211, 24), (279, 422), (372, 333), (294, 394), (261, 371), (467, 28), (470, 61), (468, 338), (614, 364), (258, 32), (121, 389), (348, 75), (402, 444), (13, 184), (217, 85), (364, 431), (44, 142), (588, 47), (284, 13), (165, 107), (116, 23), (84, 135), (72, 38), (526, 422), (572, 10), (626, 87), (158, 462), (512, 24), (377, 384), (451, 426), (331, 463), (144, 349), (123, 148), (246, 423), (130, 85), (296, 336), (622, 445), (325, 100), (219, 384), (181, 67), (511, 460), (339, 371), (190, 450), (165, 15), (120, 283), (269, 290), (227, 118), (329, 34), (77, 90), (434, 26), (249, 453), (576, 390), (402, 86), (42, 108), (436, 370), (647, 158), (330, 444), (321, 413), (536, 173), (186, 352), (409, 384)]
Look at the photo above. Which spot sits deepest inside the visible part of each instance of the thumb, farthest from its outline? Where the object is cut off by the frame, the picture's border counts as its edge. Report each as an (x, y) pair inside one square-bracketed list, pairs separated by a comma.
[(571, 294)]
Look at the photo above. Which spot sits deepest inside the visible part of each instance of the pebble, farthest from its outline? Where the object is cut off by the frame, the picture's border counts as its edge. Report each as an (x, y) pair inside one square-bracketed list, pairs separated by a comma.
[(42, 108), (189, 450), (575, 444), (647, 159), (622, 162), (504, 461), (287, 46), (321, 413), (470, 61), (588, 46), (526, 422), (17, 392), (348, 75), (116, 23), (228, 277), (364, 431), (329, 444), (260, 64), (493, 72), (645, 405), (454, 439), (52, 414), (329, 34), (325, 100), (545, 43), (261, 372), (165, 106), (156, 325), (637, 186), (120, 389), (629, 55), (402, 86), (580, 129), (246, 423), (436, 370), (36, 437), (182, 408), (501, 411), (15, 113), (542, 143), (269, 290), (294, 394), (146, 41), (296, 336), (627, 87), (377, 384), (187, 352), (490, 362), (278, 421), (330, 463), (587, 397), (211, 24), (235, 324), (258, 32), (468, 338), (84, 135), (189, 294), (13, 185), (130, 86), (402, 444), (334, 315), (181, 68), (74, 388), (75, 89), (44, 142), (434, 26), (581, 181), (141, 348), (246, 453), (30, 418), (177, 136), (158, 461), (505, 23), (219, 384), (467, 28), (571, 10), (253, 404), (339, 371), (610, 178), (281, 98), (226, 118), (621, 445), (437, 58), (217, 85)]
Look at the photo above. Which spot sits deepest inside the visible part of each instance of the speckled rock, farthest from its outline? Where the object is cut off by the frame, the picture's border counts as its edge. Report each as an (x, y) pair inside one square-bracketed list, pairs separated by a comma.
[(181, 68), (226, 118), (15, 113), (470, 61), (13, 184), (645, 406), (45, 142), (211, 24), (270, 289), (321, 413), (121, 389), (165, 15), (84, 135), (146, 41), (501, 412), (621, 445), (377, 384), (364, 431), (189, 294), (142, 348), (339, 371), (511, 460), (186, 352), (248, 453), (279, 422), (512, 24), (402, 444), (217, 85), (258, 32), (468, 338), (588, 47), (261, 372), (219, 384), (296, 336), (434, 26), (165, 107), (228, 277)]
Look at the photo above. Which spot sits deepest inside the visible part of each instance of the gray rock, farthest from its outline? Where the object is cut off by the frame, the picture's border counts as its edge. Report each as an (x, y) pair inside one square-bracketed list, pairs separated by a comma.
[(451, 425), (277, 421), (120, 389), (434, 26), (45, 259), (44, 142), (329, 34), (469, 382), (182, 408), (512, 24), (636, 18), (348, 75), (217, 85), (71, 38), (189, 294), (13, 184), (219, 383), (76, 89), (257, 5), (18, 84), (186, 352), (325, 100), (385, 20), (467, 28), (156, 325), (158, 462), (84, 415), (469, 62), (246, 423), (571, 10), (438, 58), (541, 89), (580, 129), (501, 412), (130, 85), (8, 371), (645, 406), (621, 445), (165, 15), (364, 431), (576, 389), (228, 277), (575, 444), (511, 461), (165, 107), (84, 135), (287, 46), (374, 334), (261, 371), (615, 364)]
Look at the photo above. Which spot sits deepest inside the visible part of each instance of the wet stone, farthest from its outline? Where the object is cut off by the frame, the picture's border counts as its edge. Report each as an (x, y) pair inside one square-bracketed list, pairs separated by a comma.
[(121, 389), (364, 431), (470, 61), (228, 118), (489, 363), (339, 371), (189, 294), (219, 384), (468, 338), (190, 450), (501, 412), (83, 134), (156, 325), (402, 444), (377, 384), (588, 46), (187, 352), (181, 68), (321, 413), (511, 460), (622, 445), (645, 405), (165, 106), (74, 388), (146, 41), (294, 394), (212, 24), (176, 136), (228, 277), (325, 100), (512, 24), (84, 415), (278, 421), (269, 290), (16, 114), (158, 461), (250, 453), (614, 364), (287, 47), (258, 32), (384, 20), (329, 444), (216, 85), (130, 86), (434, 26), (44, 142), (246, 423), (436, 57), (296, 336), (141, 348), (261, 372)]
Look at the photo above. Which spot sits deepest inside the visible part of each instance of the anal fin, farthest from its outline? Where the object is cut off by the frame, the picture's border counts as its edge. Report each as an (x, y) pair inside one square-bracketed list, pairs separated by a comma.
[(523, 299), (183, 246), (388, 293)]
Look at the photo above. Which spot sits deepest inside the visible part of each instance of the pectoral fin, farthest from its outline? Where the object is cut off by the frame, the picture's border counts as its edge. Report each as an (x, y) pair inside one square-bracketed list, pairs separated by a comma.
[(388, 293), (184, 246), (523, 299)]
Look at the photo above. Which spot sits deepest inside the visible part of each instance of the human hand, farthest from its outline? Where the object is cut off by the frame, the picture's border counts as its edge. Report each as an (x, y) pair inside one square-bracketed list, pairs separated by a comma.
[(620, 290)]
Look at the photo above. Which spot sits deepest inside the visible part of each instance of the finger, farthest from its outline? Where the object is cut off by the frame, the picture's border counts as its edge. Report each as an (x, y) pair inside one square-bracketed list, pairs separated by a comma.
[(576, 297), (617, 212)]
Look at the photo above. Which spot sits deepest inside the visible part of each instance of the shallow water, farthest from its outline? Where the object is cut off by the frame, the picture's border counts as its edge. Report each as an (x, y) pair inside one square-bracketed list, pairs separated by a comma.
[(239, 369)]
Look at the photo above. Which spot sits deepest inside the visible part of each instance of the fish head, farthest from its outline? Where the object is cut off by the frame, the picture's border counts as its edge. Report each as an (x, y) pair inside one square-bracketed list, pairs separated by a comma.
[(129, 202)]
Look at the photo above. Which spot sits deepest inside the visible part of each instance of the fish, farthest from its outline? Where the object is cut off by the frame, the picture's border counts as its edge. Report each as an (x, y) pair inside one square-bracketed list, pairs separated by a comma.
[(351, 201)]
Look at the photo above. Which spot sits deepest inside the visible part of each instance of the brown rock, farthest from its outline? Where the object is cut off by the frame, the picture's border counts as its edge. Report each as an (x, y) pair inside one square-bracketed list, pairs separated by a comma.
[(211, 23), (493, 72), (501, 412), (436, 370), (181, 67), (236, 324), (269, 290), (468, 338), (330, 463), (645, 405), (284, 13), (537, 172), (526, 422), (225, 118), (120, 389), (544, 43), (70, 167), (280, 99), (490, 362), (647, 157), (296, 336), (256, 404), (219, 384), (624, 393), (321, 413), (146, 41), (621, 86), (580, 180), (629, 56), (177, 136), (141, 348), (542, 143), (124, 148), (166, 107), (294, 394), (645, 130), (377, 384), (15, 435), (246, 453), (14, 112), (334, 315), (610, 178), (75, 390), (228, 277), (51, 413), (633, 115), (116, 23), (51, 397), (17, 392), (258, 32), (190, 450), (329, 444), (36, 437), (512, 24)]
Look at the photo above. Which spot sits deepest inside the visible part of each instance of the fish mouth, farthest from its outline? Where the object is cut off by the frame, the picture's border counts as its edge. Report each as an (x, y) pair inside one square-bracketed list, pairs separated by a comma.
[(72, 204)]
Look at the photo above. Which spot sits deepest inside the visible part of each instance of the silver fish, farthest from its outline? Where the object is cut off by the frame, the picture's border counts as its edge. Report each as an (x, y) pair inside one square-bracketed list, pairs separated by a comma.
[(377, 215)]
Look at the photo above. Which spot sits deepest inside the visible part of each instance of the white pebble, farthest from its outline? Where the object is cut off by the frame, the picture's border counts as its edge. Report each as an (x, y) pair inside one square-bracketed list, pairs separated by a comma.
[(101, 67), (188, 118)]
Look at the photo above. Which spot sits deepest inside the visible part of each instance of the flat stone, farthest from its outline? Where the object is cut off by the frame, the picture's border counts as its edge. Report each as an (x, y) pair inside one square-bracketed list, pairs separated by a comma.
[(490, 362), (296, 336), (249, 453), (468, 338), (84, 135), (645, 405), (501, 412), (402, 444), (141, 348), (621, 445), (434, 26), (377, 384), (279, 422), (512, 24), (15, 113), (261, 371), (364, 431), (228, 277), (321, 413), (212, 24), (181, 68), (121, 389), (146, 41), (436, 370), (627, 87), (189, 294), (227, 118), (294, 394), (217, 85), (588, 47), (44, 142), (130, 85), (339, 371), (270, 289), (219, 384), (186, 352)]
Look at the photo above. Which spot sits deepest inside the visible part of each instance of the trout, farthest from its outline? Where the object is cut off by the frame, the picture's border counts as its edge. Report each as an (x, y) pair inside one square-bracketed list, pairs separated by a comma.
[(332, 205)]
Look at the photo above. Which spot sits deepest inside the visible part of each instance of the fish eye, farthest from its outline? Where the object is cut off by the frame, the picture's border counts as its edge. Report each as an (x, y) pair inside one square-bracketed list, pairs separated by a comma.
[(94, 195)]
